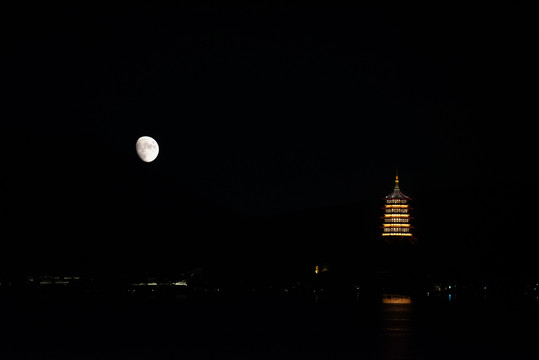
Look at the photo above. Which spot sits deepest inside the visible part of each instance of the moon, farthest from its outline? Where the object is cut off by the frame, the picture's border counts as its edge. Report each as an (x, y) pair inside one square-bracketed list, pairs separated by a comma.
[(147, 148)]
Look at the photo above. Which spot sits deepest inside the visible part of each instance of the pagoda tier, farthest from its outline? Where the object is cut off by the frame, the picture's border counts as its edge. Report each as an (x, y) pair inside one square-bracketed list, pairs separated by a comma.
[(397, 214)]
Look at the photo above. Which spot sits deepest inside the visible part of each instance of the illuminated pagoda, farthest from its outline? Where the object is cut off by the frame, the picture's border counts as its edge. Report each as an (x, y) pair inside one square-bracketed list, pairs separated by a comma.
[(397, 217)]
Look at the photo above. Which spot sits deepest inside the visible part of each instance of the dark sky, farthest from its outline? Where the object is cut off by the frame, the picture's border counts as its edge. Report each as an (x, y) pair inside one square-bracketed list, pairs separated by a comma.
[(261, 110)]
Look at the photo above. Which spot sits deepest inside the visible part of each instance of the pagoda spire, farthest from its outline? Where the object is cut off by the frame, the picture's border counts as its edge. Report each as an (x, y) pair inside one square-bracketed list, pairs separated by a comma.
[(397, 180)]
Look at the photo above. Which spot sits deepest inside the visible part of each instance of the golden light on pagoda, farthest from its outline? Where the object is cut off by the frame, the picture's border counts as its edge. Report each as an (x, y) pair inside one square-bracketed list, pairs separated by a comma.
[(396, 216), (396, 234)]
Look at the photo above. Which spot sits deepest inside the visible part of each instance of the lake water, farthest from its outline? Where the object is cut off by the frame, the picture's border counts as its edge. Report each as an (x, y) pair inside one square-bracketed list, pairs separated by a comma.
[(265, 328)]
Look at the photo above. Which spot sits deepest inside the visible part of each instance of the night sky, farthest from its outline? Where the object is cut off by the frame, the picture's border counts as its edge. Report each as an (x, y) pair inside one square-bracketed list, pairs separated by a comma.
[(280, 129)]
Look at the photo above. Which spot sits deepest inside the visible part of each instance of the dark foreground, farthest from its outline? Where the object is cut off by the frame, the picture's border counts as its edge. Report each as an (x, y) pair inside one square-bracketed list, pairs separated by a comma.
[(69, 326)]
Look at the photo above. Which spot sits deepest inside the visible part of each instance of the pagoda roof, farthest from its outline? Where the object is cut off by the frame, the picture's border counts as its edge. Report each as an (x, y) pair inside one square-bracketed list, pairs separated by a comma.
[(397, 194)]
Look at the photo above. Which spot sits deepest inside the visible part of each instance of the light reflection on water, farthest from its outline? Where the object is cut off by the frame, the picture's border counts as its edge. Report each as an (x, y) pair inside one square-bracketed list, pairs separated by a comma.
[(396, 299), (397, 329)]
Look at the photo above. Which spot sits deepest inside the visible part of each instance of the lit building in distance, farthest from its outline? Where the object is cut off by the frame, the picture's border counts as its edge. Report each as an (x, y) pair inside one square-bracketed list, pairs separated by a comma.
[(397, 216)]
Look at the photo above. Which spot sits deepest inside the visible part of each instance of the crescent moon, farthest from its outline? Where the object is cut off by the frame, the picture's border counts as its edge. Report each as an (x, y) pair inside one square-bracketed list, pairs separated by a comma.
[(147, 148)]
